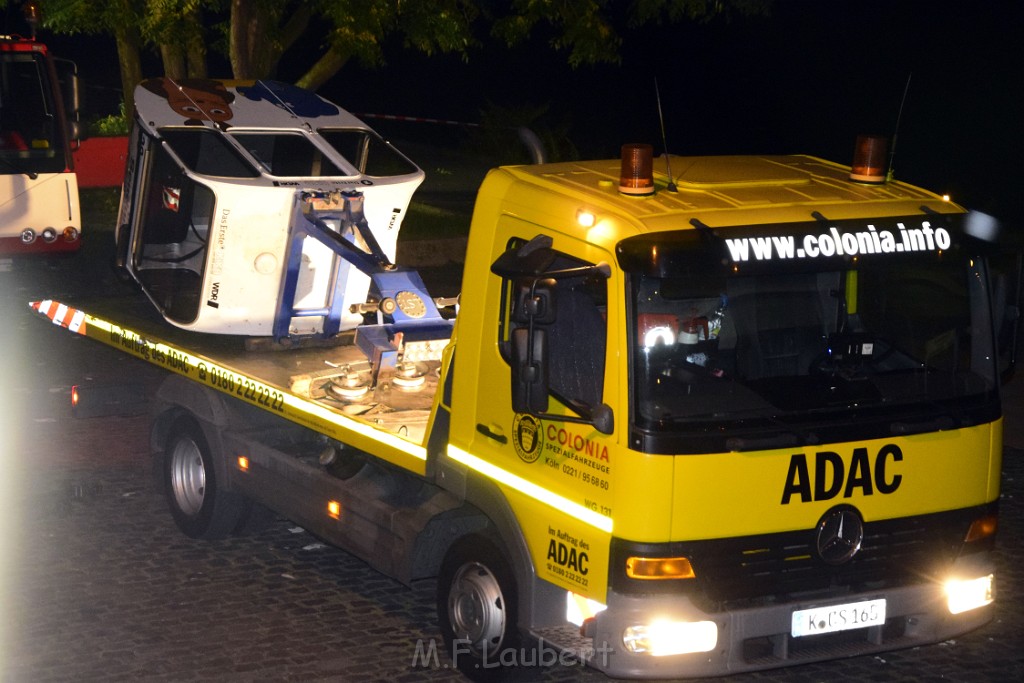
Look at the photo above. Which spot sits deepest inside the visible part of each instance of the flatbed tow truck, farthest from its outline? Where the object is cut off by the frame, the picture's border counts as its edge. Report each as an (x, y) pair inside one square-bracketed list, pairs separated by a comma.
[(738, 415)]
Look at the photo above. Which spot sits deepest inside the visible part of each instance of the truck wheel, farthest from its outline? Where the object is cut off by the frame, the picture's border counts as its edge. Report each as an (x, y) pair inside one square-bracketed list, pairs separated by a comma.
[(199, 507), (477, 609)]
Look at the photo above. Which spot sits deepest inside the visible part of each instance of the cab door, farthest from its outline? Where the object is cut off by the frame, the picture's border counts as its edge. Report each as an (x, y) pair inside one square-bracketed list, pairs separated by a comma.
[(552, 464)]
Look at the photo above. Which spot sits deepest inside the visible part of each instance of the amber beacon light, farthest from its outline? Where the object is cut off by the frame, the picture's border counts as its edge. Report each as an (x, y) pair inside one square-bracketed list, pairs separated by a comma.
[(637, 175), (869, 156)]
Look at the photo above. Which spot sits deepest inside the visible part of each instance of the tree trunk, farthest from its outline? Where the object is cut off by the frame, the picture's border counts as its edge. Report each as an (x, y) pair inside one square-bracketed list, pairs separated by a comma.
[(173, 57), (325, 68), (128, 41), (248, 38), (195, 46)]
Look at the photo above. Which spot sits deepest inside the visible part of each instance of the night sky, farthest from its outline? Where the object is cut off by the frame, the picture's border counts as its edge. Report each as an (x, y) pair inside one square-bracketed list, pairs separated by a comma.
[(806, 79)]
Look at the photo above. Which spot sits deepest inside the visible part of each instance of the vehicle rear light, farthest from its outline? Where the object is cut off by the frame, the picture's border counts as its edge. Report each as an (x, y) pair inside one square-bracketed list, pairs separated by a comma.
[(70, 233), (28, 236), (49, 235)]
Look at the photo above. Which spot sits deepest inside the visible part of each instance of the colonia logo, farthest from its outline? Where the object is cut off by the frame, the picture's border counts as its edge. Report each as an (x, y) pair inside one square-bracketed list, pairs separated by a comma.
[(527, 437)]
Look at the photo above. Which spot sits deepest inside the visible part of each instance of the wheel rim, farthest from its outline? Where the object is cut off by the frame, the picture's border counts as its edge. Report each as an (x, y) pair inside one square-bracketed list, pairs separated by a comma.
[(476, 607), (187, 476)]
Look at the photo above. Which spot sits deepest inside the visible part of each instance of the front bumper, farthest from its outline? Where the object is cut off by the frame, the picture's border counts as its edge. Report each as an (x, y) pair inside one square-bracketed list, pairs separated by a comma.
[(759, 638)]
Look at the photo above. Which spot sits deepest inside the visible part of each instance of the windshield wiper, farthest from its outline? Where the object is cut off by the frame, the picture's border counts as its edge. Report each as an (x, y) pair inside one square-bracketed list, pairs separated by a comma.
[(938, 423)]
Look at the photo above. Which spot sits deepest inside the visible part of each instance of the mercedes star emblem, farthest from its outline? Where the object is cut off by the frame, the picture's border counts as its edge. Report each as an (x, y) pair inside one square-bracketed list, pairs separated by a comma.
[(839, 534)]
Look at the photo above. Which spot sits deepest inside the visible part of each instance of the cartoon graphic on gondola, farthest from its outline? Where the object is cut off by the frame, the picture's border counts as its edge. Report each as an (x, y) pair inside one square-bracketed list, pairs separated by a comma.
[(197, 99)]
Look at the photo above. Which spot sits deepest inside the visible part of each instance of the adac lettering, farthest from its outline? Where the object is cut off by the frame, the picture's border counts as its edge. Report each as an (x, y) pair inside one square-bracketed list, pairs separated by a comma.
[(826, 475), (567, 557)]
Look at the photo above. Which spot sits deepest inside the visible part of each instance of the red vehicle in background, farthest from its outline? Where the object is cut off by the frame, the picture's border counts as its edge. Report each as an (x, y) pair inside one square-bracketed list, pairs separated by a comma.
[(39, 206)]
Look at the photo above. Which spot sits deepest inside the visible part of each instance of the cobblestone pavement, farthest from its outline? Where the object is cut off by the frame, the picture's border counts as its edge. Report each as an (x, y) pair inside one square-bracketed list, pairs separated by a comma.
[(97, 584)]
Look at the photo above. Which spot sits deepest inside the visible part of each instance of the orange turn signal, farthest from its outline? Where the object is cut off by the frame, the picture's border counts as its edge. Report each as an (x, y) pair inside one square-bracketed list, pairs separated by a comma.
[(983, 527), (659, 568)]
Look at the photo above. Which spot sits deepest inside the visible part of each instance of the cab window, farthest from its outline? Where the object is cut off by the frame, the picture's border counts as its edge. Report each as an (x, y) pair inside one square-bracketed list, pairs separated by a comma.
[(577, 333)]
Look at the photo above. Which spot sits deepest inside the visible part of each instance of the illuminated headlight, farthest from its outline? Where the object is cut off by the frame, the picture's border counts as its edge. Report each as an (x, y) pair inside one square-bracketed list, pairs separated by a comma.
[(964, 595), (664, 638)]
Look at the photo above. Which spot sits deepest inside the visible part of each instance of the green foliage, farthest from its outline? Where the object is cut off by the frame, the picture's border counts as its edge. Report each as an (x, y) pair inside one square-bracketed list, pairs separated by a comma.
[(109, 126)]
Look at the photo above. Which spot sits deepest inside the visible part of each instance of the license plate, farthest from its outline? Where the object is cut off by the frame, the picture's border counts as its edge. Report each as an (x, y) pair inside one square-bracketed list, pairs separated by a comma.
[(809, 622)]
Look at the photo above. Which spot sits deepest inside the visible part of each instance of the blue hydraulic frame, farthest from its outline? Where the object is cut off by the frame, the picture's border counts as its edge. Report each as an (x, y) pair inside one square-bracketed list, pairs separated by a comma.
[(387, 279)]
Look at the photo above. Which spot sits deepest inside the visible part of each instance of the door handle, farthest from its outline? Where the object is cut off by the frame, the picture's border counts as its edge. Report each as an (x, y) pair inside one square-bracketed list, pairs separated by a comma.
[(496, 434)]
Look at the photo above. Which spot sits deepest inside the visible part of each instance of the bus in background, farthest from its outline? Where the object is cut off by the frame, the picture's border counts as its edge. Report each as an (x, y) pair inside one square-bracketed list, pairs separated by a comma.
[(39, 206)]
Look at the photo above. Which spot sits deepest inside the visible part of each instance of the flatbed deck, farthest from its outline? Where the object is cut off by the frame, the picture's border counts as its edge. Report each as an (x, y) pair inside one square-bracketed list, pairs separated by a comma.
[(328, 388)]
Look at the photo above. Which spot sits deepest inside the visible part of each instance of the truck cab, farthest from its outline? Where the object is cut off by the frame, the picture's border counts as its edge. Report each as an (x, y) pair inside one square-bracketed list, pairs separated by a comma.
[(754, 409)]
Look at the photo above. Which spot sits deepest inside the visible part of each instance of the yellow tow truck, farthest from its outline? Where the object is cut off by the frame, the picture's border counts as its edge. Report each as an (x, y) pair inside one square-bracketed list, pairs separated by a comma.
[(740, 414)]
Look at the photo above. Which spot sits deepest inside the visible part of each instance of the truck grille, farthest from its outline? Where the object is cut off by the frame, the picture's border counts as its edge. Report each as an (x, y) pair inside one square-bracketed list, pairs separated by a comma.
[(751, 571), (743, 572)]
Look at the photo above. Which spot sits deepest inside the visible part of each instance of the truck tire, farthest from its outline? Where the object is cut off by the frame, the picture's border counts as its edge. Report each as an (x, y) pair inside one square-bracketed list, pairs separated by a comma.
[(477, 609), (199, 507)]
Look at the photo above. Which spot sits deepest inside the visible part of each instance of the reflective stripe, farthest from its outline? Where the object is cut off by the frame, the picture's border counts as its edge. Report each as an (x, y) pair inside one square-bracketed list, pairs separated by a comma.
[(530, 489), (58, 314), (76, 321)]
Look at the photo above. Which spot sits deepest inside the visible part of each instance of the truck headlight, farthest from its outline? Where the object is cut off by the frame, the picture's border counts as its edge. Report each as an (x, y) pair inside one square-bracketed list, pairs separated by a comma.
[(663, 638), (967, 594)]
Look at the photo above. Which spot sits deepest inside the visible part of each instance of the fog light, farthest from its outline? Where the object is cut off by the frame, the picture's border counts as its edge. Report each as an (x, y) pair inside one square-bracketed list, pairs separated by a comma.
[(965, 595), (663, 638)]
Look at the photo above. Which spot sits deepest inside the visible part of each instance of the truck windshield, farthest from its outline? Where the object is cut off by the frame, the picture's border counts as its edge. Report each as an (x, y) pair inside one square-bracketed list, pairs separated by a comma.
[(31, 134), (733, 356)]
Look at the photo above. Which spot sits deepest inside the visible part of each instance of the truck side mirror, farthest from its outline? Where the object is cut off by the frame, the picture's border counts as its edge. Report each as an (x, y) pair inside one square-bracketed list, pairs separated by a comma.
[(529, 371), (534, 302), (534, 305)]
